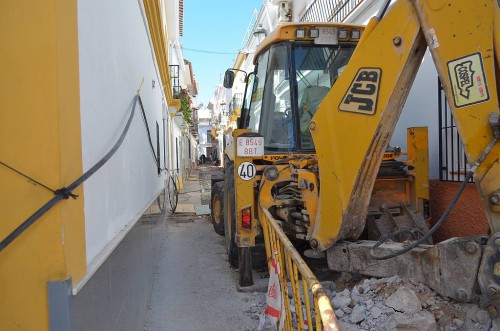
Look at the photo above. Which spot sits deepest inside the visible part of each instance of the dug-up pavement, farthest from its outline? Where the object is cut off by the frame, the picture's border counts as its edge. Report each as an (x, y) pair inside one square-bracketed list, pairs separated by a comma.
[(171, 273)]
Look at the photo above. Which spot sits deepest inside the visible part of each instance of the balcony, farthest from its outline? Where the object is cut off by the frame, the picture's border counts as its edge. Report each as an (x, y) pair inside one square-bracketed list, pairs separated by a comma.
[(329, 10), (174, 79)]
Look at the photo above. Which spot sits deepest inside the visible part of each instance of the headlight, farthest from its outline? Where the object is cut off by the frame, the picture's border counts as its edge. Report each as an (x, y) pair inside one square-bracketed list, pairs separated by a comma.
[(342, 34), (355, 34), (314, 33), (300, 33)]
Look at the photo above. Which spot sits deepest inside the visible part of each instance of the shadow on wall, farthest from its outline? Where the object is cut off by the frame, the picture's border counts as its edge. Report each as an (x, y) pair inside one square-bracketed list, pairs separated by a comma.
[(467, 217)]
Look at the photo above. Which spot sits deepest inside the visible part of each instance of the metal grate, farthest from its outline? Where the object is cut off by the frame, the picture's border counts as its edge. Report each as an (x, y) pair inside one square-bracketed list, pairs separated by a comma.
[(329, 10), (174, 77), (453, 165)]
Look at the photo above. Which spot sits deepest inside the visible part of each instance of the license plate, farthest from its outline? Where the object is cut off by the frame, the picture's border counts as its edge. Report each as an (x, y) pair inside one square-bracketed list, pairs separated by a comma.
[(327, 36), (250, 146)]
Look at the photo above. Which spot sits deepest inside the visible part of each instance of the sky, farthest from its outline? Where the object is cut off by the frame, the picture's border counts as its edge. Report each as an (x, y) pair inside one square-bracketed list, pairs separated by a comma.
[(214, 26)]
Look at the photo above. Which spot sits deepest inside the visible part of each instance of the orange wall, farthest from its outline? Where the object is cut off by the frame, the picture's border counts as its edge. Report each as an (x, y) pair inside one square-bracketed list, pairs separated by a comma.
[(466, 218)]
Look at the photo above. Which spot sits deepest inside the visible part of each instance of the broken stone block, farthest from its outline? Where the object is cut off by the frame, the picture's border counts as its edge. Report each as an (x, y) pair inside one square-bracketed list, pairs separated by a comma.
[(404, 300), (358, 314), (423, 321)]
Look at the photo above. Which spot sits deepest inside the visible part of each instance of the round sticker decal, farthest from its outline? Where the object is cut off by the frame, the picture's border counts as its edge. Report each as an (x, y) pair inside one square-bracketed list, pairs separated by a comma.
[(247, 170)]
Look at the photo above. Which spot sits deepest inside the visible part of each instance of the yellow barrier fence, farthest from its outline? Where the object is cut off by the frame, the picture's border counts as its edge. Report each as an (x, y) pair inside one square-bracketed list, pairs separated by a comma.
[(296, 277)]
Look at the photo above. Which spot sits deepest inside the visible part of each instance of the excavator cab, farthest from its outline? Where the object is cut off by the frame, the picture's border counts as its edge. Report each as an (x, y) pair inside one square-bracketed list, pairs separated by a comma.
[(292, 78)]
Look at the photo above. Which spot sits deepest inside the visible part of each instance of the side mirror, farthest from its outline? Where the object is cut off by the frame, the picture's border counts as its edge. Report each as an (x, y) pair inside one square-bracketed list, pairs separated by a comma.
[(228, 79)]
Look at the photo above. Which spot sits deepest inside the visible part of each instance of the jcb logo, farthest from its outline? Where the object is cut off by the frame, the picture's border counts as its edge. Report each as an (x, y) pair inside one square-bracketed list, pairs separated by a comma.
[(363, 93)]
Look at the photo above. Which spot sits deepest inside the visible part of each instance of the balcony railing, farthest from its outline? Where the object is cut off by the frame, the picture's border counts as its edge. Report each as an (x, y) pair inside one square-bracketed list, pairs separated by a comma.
[(329, 10)]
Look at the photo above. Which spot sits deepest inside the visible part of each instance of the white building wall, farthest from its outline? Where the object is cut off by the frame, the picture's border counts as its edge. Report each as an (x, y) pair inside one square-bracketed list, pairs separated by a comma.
[(115, 56), (203, 143), (194, 150), (177, 142)]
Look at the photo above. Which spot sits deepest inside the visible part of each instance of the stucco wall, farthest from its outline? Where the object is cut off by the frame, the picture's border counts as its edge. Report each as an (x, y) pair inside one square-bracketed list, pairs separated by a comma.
[(115, 56)]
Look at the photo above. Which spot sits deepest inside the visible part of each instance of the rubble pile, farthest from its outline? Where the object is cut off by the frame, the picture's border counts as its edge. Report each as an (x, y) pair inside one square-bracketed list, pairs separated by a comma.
[(399, 304)]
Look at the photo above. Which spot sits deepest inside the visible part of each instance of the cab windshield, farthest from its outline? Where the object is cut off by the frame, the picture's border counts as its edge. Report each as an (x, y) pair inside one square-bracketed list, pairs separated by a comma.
[(291, 81)]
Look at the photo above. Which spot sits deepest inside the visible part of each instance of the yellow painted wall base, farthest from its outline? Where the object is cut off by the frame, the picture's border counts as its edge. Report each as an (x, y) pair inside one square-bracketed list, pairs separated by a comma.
[(39, 136)]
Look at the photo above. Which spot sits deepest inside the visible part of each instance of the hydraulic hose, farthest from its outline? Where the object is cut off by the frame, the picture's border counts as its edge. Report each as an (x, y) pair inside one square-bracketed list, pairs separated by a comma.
[(443, 217)]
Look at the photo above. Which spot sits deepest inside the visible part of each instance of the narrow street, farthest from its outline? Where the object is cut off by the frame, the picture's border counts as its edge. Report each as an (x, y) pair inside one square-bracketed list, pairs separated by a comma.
[(177, 279)]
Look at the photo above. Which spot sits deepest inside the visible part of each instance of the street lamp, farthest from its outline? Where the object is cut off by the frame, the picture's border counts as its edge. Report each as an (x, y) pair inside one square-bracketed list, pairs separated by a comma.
[(260, 33)]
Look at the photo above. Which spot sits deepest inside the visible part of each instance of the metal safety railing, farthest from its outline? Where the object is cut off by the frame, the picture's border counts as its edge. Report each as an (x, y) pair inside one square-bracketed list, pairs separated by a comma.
[(302, 313), (329, 10)]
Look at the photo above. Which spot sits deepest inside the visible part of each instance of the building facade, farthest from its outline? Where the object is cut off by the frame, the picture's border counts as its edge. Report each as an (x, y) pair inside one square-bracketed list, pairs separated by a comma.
[(73, 71)]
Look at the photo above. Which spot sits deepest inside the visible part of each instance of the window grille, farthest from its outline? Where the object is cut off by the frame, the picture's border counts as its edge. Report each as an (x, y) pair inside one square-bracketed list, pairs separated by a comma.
[(453, 165)]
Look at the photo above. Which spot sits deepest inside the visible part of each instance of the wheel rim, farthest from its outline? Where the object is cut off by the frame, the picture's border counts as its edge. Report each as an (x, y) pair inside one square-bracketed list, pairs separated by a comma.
[(217, 209), (172, 194)]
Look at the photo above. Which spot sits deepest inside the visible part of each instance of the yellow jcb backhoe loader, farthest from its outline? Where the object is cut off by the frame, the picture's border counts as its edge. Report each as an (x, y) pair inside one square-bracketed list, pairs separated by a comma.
[(311, 151)]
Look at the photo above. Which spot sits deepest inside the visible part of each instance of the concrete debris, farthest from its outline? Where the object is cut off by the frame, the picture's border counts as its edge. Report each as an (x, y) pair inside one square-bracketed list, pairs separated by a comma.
[(340, 301), (458, 322), (404, 300), (396, 304), (423, 321), (375, 312), (339, 313), (347, 326), (358, 314), (483, 317)]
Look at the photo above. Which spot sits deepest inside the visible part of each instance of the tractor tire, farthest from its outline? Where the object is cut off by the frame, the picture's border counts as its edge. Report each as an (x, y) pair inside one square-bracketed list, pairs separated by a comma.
[(230, 214), (217, 207)]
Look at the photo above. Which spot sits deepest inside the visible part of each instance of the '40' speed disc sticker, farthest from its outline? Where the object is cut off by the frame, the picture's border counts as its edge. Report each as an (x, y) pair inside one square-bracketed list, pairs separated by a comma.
[(468, 82), (247, 170)]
